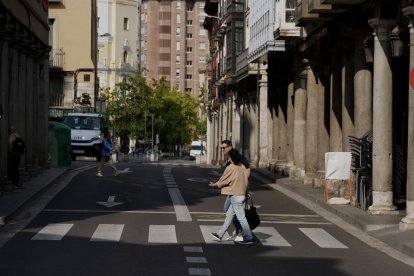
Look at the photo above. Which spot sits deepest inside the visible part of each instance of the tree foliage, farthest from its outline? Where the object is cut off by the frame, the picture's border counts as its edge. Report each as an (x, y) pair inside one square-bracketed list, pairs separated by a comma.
[(134, 104)]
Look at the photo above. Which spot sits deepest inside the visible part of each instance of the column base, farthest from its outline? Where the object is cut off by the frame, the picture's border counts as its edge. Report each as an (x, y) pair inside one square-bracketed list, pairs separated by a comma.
[(407, 223), (309, 179), (296, 173), (382, 204)]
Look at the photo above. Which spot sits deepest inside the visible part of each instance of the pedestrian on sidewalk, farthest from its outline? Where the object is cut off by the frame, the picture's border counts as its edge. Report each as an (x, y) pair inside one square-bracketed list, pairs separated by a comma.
[(233, 183), (226, 146), (106, 154), (15, 152)]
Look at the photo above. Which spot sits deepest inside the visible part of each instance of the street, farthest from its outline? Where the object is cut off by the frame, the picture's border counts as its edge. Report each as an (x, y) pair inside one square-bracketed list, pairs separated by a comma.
[(156, 219)]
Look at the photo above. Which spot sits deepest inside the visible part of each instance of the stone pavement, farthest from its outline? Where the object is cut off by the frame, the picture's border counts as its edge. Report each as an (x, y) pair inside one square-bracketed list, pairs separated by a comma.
[(382, 227)]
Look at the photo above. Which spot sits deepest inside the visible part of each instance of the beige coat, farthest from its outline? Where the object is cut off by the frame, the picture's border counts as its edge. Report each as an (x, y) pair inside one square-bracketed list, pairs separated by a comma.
[(234, 180)]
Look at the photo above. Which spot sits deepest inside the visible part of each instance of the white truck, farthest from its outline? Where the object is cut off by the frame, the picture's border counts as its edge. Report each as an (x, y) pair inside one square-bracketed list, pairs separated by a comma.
[(86, 133), (197, 148)]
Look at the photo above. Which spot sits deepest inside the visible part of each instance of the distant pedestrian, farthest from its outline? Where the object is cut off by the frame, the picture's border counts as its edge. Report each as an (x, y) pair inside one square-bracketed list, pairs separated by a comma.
[(106, 154), (233, 183), (226, 146), (15, 152)]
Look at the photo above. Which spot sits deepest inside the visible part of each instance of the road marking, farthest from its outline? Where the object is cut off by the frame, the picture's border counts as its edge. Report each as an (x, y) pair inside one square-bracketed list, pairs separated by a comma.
[(108, 232), (199, 271), (196, 260), (162, 234), (269, 236), (110, 202), (206, 231), (193, 249), (322, 238), (180, 207), (53, 231)]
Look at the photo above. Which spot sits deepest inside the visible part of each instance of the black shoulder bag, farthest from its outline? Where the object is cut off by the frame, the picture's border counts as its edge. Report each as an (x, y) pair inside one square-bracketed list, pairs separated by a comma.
[(251, 214)]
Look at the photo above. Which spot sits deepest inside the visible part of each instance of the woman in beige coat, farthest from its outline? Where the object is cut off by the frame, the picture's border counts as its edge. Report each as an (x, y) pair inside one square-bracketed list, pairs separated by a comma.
[(233, 183)]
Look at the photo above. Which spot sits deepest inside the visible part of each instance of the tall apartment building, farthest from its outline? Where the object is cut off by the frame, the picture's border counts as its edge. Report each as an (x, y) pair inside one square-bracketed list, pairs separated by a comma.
[(117, 40), (173, 43)]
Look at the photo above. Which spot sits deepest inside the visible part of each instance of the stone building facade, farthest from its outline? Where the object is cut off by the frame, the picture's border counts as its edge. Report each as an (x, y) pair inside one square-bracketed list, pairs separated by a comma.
[(24, 79), (341, 70)]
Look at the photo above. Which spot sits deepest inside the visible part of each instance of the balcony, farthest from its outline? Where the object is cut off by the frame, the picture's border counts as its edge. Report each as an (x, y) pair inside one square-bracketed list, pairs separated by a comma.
[(315, 6), (343, 2), (56, 59), (302, 15)]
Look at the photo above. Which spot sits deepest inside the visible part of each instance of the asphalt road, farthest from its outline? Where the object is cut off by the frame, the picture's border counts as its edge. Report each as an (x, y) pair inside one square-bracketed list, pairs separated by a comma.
[(155, 219)]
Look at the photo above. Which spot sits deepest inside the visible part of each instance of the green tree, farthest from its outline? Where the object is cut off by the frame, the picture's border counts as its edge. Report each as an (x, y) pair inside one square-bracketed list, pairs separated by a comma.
[(133, 100)]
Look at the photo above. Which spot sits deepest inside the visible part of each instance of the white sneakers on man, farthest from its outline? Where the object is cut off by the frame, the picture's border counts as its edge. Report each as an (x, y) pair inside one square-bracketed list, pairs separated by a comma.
[(99, 174)]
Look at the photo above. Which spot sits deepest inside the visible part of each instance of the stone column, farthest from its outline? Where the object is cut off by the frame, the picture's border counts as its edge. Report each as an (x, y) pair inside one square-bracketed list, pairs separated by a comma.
[(336, 106), (407, 223), (311, 155), (263, 138), (4, 84), (13, 88), (29, 114), (43, 105), (362, 93), (21, 123), (299, 125), (323, 123), (290, 119), (382, 119), (347, 103), (282, 126)]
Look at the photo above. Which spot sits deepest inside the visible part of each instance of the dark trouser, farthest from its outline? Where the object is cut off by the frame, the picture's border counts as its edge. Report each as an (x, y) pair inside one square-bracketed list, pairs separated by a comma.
[(13, 169)]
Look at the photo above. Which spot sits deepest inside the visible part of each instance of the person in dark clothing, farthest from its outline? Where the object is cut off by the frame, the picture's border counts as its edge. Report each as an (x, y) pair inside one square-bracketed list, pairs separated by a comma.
[(15, 152)]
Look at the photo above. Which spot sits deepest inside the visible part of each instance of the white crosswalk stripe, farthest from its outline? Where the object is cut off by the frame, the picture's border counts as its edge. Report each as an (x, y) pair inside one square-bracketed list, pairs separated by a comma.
[(53, 231), (108, 232), (322, 238), (162, 234), (267, 236)]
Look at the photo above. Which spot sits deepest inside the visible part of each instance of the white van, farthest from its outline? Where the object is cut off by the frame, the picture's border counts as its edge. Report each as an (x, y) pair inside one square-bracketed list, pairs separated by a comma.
[(86, 130), (197, 148)]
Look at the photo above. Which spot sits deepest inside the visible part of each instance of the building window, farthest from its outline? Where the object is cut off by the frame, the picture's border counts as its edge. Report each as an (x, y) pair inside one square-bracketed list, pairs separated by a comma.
[(125, 57), (189, 63), (188, 76), (290, 11), (126, 23), (188, 90), (189, 22), (190, 7), (87, 77), (177, 59), (177, 31), (178, 46), (177, 73), (178, 18), (189, 35), (189, 49), (202, 45), (202, 59)]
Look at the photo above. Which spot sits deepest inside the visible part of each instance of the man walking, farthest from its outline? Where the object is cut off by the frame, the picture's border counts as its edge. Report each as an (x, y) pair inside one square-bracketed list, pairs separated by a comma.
[(106, 153)]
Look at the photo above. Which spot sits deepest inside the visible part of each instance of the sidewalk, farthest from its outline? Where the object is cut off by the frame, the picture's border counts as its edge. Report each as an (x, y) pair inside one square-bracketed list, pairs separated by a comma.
[(382, 227)]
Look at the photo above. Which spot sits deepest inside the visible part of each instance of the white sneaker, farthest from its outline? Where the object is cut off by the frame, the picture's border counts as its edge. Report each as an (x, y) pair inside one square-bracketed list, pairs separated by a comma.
[(235, 237), (99, 174)]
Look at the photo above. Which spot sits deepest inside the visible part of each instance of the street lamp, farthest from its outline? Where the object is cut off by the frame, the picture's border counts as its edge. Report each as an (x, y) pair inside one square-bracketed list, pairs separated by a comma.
[(397, 43), (369, 49)]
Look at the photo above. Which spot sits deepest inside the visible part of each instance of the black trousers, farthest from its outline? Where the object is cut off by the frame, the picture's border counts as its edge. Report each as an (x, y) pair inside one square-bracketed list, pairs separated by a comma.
[(13, 168)]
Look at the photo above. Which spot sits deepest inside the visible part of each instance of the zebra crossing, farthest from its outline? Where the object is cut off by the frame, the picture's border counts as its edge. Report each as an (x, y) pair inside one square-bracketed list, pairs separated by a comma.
[(166, 234)]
